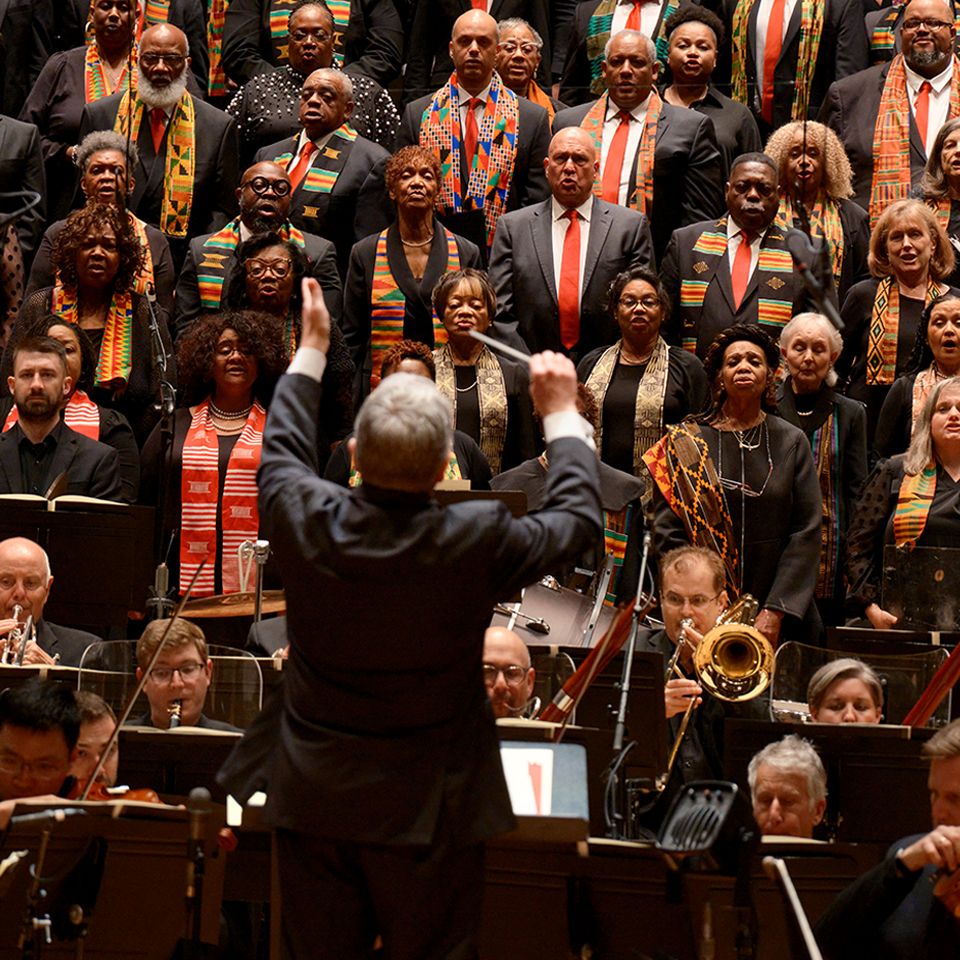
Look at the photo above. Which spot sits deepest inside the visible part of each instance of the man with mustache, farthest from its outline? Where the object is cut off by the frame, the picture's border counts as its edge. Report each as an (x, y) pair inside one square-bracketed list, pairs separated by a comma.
[(184, 181), (264, 195)]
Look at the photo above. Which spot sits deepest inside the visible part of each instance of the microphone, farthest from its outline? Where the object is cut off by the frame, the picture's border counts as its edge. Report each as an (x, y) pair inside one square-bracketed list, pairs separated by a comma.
[(57, 814), (804, 253), (198, 807)]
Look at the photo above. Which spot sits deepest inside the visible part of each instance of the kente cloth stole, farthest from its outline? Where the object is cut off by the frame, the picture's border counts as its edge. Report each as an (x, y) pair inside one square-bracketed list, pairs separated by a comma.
[(80, 414), (179, 168), (96, 83), (942, 209), (641, 197), (143, 281), (279, 31), (152, 12), (882, 42), (199, 492), (598, 33), (825, 444), (616, 533), (218, 251), (452, 471), (824, 222), (885, 330), (693, 291), (811, 31), (891, 137), (113, 366), (491, 169), (388, 305), (913, 506), (925, 382), (216, 15), (681, 467), (491, 397), (333, 157), (648, 411)]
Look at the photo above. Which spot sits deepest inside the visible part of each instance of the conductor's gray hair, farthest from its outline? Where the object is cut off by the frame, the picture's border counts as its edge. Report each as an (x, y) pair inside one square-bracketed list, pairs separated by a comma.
[(792, 754), (404, 434)]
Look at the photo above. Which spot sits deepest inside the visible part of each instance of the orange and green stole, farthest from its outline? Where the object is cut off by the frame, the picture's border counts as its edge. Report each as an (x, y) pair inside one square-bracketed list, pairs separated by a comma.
[(811, 31), (452, 471), (96, 83), (884, 330), (891, 137), (491, 398), (491, 169), (279, 28), (641, 197), (143, 281), (80, 414), (824, 223), (825, 445), (200, 493), (913, 506), (333, 157), (180, 164), (681, 467), (598, 33), (216, 15), (152, 12), (388, 304), (113, 366)]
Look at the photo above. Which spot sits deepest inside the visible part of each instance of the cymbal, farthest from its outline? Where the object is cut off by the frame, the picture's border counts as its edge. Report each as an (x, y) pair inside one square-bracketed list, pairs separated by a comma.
[(236, 605)]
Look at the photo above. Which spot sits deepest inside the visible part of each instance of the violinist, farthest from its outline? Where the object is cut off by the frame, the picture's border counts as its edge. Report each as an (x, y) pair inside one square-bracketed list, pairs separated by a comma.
[(907, 906), (97, 723)]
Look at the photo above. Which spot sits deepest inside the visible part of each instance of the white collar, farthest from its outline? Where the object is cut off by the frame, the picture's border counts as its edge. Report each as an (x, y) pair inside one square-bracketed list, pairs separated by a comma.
[(941, 80), (639, 112), (584, 210)]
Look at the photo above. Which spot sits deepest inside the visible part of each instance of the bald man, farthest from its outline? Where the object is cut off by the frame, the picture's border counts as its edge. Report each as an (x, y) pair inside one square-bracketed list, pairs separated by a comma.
[(25, 582), (528, 260), (167, 120), (507, 673)]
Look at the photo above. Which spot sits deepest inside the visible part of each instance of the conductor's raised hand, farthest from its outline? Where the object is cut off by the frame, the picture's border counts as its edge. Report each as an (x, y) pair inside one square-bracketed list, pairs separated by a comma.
[(553, 383), (314, 317)]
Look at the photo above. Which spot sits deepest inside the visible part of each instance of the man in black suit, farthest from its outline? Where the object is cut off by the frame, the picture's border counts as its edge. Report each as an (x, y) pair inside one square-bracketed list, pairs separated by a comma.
[(687, 165), (21, 168), (19, 64), (25, 582), (529, 260), (385, 778), (337, 175), (712, 284), (428, 60), (486, 183), (264, 196), (168, 119), (40, 446), (852, 105)]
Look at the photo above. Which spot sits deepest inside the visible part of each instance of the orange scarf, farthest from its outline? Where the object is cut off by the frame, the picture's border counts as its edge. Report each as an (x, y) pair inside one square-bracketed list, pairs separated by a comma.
[(80, 414)]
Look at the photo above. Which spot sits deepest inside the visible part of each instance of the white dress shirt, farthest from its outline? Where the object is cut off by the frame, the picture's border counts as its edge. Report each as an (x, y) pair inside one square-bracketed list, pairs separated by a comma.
[(639, 115), (939, 99), (763, 20), (734, 239), (649, 17), (560, 224), (464, 98)]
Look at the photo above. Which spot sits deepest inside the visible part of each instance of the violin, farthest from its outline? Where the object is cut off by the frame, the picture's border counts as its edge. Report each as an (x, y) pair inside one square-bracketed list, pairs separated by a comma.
[(100, 791)]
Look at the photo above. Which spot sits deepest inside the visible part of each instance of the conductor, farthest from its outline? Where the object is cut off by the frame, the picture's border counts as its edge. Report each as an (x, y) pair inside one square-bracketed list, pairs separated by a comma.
[(386, 778)]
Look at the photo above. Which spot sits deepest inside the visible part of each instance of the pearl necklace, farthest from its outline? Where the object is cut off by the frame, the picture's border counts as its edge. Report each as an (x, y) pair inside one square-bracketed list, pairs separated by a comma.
[(215, 411)]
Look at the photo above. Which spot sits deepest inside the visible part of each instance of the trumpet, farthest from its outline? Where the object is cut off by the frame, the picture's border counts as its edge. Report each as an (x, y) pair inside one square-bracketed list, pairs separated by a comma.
[(15, 644), (176, 709)]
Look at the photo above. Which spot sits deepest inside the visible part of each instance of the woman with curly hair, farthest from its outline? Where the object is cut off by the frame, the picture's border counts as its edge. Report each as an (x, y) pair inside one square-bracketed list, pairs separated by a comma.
[(207, 486), (816, 182), (95, 260), (742, 483), (939, 186), (268, 279), (392, 274)]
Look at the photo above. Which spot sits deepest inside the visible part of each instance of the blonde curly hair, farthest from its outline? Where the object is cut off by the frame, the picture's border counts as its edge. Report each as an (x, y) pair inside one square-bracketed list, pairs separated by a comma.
[(837, 172)]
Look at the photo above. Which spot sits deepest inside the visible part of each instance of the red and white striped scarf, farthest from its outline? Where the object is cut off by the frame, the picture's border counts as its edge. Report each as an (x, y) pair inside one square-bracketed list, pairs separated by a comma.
[(80, 414), (199, 489)]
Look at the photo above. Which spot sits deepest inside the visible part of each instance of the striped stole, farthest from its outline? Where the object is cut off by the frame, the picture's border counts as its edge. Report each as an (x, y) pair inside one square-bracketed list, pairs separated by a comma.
[(616, 533), (913, 505), (80, 414), (279, 17), (200, 499)]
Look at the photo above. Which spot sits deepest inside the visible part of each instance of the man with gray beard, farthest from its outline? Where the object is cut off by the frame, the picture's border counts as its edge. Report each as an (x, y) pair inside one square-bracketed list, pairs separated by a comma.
[(899, 106), (185, 182)]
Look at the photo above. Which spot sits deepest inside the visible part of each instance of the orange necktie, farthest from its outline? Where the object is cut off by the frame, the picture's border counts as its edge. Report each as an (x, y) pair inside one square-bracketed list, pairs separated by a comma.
[(633, 21), (771, 54), (610, 184), (299, 170), (921, 111), (740, 275), (479, 5), (568, 296), (158, 126), (472, 134)]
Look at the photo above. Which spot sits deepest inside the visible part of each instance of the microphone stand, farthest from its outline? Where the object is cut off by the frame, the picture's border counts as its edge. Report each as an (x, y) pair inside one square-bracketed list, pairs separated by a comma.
[(614, 791)]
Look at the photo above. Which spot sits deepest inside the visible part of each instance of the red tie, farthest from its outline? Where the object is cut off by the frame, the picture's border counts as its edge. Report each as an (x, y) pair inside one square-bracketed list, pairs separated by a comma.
[(740, 275), (472, 134), (633, 21), (771, 54), (480, 5), (299, 170), (610, 184), (158, 126), (921, 111), (568, 296)]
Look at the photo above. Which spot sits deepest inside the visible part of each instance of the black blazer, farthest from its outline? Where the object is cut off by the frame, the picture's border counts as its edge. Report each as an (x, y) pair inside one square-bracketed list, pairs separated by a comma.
[(522, 272), (91, 467), (382, 755), (687, 169), (18, 56), (21, 168), (372, 44), (69, 643)]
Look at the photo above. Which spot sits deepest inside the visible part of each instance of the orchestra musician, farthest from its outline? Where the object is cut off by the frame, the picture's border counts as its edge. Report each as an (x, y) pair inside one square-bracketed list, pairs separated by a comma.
[(97, 723), (788, 788), (845, 691), (507, 673)]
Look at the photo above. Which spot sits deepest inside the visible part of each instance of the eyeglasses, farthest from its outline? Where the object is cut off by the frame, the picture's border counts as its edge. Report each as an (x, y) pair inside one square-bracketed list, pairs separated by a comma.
[(511, 46), (276, 268), (513, 674), (187, 671), (175, 60), (698, 601), (648, 303), (321, 36), (260, 185), (915, 23), (13, 766)]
